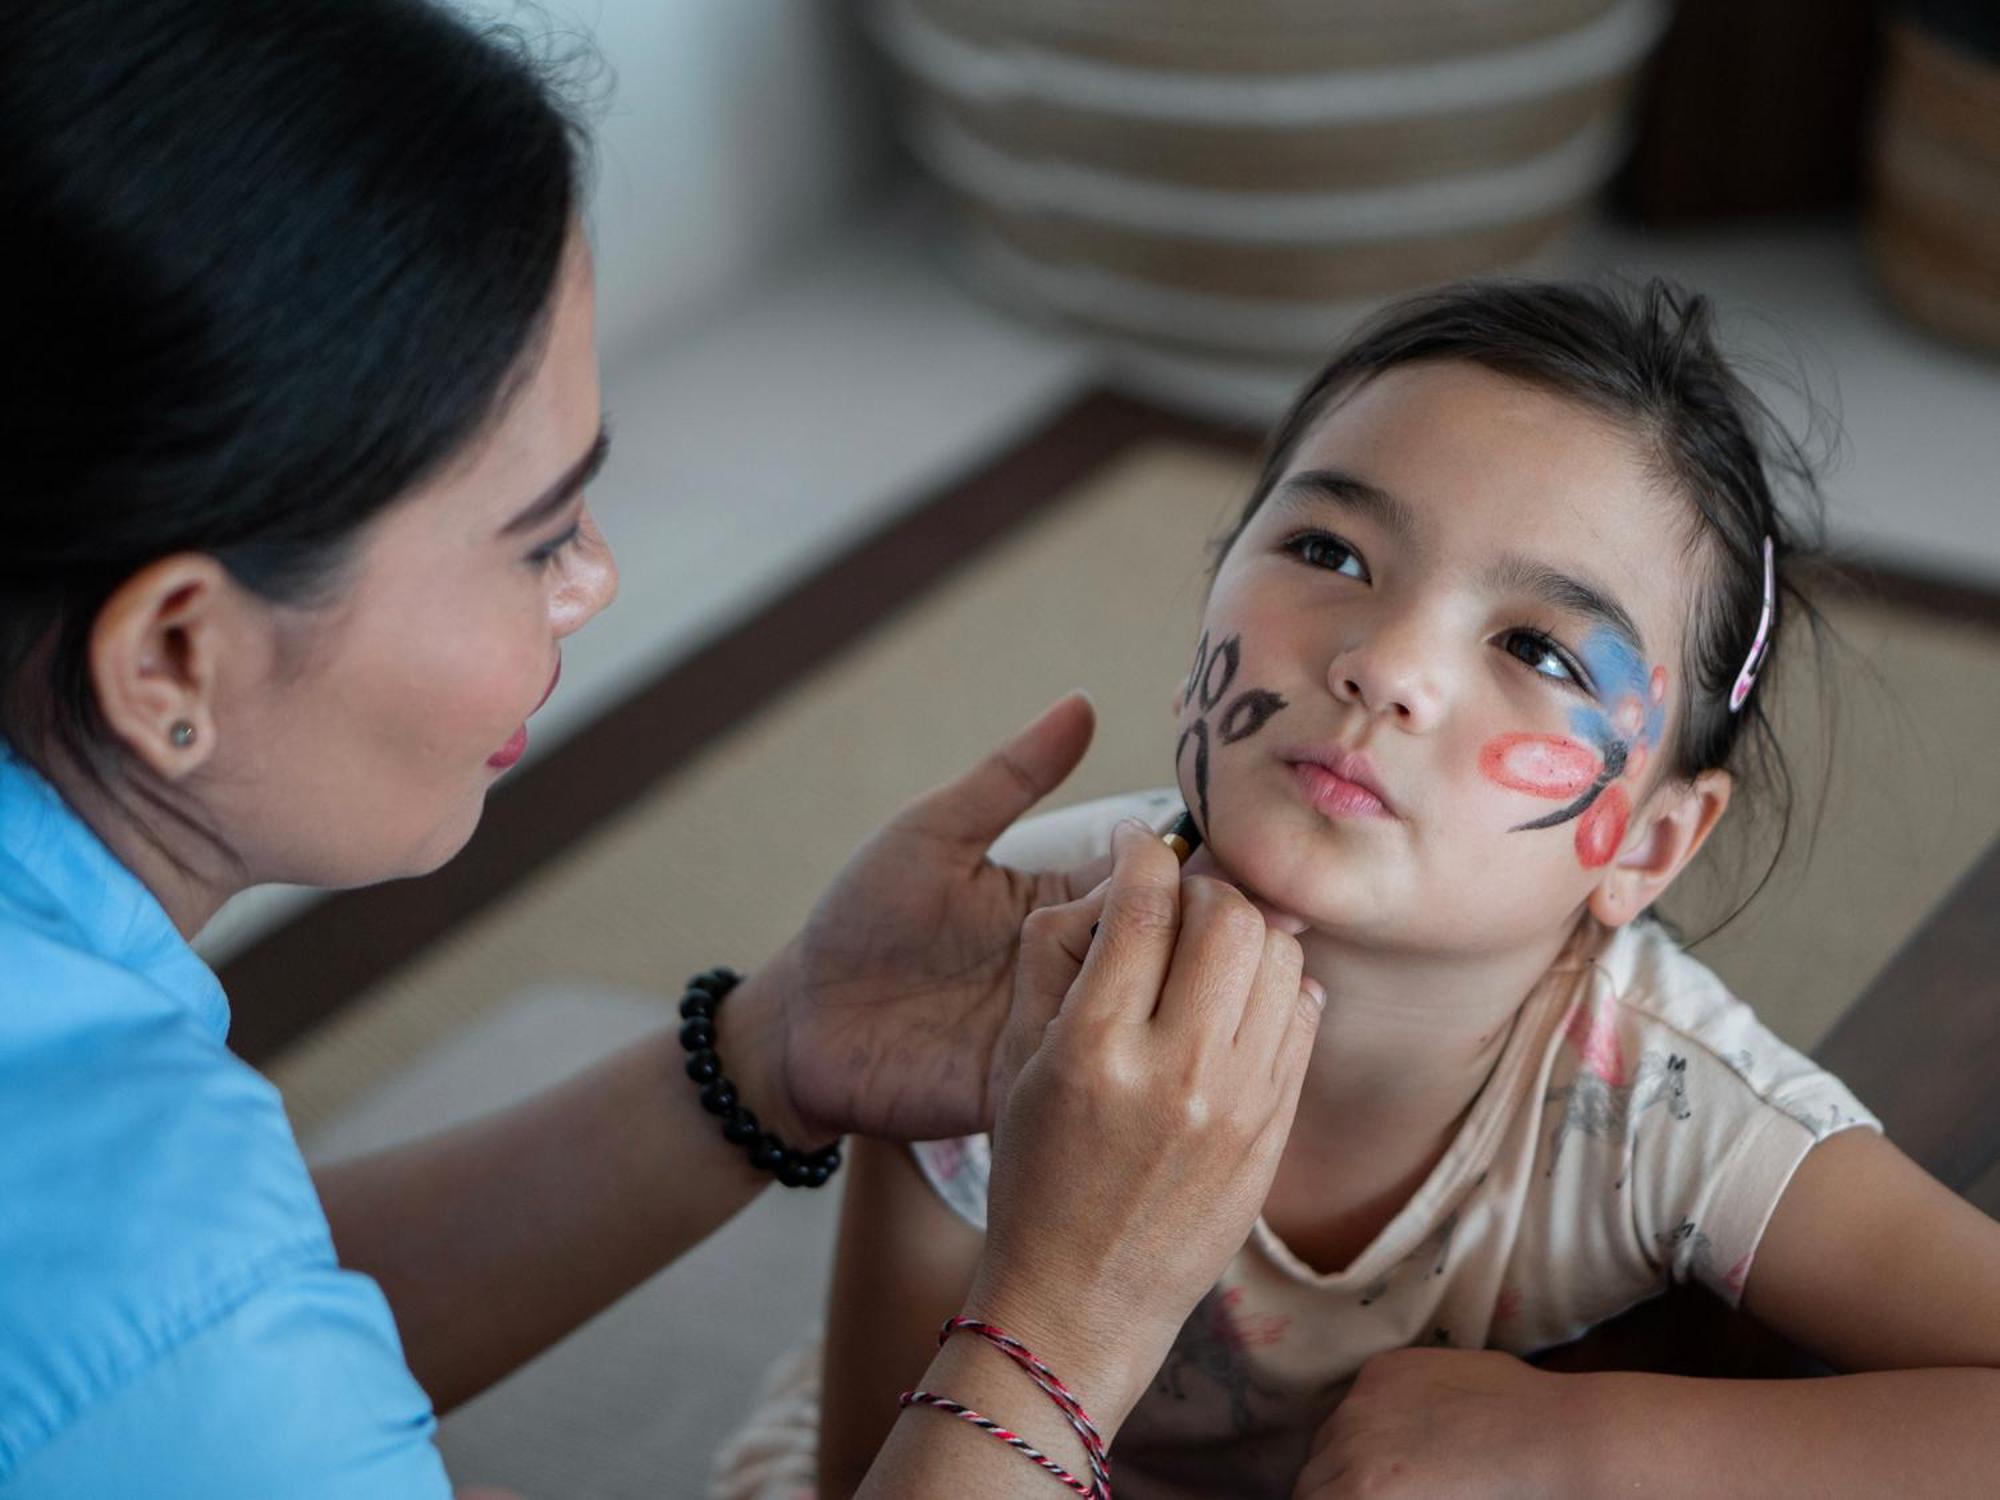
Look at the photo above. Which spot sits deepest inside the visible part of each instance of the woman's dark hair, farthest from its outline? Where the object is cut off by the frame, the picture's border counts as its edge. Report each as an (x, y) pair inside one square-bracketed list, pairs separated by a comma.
[(1646, 358), (275, 262)]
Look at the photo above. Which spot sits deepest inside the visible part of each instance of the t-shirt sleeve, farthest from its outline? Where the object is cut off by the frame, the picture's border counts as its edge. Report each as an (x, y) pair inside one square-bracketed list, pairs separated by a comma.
[(301, 1392), (1074, 835), (1709, 1165)]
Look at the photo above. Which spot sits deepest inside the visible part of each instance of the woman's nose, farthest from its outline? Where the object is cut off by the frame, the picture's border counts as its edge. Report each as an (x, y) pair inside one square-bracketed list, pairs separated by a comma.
[(1390, 673), (589, 584)]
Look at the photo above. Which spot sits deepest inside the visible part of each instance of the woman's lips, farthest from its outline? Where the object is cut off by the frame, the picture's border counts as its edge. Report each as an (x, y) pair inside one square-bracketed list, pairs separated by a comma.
[(517, 742), (513, 750), (1333, 795)]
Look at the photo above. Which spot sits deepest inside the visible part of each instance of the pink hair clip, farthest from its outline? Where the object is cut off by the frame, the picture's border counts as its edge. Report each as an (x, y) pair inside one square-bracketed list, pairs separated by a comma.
[(1753, 663)]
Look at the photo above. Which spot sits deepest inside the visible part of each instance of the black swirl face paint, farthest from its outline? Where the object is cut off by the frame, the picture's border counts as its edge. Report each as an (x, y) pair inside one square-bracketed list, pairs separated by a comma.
[(1207, 685)]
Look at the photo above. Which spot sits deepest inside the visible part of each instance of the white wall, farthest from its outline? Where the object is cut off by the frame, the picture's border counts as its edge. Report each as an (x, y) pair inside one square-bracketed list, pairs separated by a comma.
[(734, 130)]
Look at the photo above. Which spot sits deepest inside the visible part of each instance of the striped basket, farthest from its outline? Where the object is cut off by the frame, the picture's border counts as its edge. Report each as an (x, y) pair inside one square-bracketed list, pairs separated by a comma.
[(1241, 180), (1935, 231)]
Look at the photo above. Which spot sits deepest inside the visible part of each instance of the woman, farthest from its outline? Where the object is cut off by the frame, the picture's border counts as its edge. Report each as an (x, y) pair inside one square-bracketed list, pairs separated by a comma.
[(305, 399)]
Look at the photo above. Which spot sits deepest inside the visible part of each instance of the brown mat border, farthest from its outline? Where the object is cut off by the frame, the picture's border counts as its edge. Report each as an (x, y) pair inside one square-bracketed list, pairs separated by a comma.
[(1920, 1046)]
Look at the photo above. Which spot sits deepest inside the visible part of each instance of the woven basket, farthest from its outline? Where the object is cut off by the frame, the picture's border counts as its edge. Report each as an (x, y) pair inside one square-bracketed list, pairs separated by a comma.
[(1244, 179), (1935, 231)]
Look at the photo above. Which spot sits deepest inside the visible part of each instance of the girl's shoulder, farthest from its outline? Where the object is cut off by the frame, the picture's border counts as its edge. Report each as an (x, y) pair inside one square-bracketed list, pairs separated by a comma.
[(1642, 992), (1075, 835)]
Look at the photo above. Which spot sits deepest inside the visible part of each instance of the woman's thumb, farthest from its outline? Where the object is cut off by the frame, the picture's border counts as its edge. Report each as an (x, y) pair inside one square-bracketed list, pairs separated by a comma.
[(979, 806)]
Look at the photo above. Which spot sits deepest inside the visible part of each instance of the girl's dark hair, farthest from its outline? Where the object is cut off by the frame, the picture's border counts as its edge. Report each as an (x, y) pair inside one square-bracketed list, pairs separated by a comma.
[(275, 262), (1645, 357)]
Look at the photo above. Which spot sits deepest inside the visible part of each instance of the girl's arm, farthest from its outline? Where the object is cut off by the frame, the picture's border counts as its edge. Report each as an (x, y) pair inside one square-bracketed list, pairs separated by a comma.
[(1876, 1267), (1867, 1261), (905, 1263)]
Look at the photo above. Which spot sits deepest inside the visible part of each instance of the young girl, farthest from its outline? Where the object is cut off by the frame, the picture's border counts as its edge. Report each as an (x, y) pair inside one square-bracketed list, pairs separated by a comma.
[(1476, 672)]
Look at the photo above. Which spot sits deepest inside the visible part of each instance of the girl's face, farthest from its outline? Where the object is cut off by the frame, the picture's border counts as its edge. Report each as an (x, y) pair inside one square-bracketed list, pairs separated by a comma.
[(1439, 666), (357, 740)]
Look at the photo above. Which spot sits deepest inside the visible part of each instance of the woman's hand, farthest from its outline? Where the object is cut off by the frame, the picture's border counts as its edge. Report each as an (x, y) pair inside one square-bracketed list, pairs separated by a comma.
[(1448, 1424), (891, 999), (1137, 1146)]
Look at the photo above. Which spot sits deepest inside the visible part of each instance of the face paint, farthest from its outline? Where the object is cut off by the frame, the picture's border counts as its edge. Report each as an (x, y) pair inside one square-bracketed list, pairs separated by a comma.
[(1207, 684), (1613, 738), (1542, 765)]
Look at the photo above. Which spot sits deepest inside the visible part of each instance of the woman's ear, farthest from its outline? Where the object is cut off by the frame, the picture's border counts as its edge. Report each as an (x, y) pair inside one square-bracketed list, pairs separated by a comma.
[(1679, 817), (154, 651)]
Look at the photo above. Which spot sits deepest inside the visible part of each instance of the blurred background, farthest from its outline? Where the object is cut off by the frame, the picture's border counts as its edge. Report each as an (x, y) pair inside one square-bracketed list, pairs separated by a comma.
[(937, 339)]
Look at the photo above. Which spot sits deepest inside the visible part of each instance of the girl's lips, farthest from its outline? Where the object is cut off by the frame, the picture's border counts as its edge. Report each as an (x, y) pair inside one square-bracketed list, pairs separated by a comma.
[(1335, 796)]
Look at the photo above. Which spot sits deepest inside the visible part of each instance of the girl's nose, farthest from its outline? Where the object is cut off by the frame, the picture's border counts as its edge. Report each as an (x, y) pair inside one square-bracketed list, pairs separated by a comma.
[(1390, 673), (589, 584)]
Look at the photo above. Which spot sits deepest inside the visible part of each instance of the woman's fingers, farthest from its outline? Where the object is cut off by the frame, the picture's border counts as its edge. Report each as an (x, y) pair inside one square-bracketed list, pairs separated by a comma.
[(1055, 940), (1134, 946), (1216, 961), (1283, 995)]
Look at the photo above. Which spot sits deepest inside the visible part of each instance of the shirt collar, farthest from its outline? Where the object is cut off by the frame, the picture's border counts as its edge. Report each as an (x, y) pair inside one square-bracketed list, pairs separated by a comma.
[(108, 910)]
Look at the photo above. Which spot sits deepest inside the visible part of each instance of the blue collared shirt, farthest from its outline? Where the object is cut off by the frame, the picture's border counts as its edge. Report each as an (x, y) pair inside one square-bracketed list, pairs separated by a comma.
[(173, 1322)]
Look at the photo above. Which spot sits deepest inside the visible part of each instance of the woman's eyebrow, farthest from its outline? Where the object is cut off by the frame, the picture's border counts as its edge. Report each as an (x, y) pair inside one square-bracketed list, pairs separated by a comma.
[(559, 494), (1515, 574), (1358, 495)]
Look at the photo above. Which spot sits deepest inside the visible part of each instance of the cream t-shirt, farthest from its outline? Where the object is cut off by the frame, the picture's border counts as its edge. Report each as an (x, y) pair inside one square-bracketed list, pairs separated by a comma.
[(1638, 1128)]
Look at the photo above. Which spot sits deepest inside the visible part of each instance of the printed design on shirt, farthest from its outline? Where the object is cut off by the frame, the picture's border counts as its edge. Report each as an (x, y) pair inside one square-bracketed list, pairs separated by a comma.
[(1212, 1344), (1607, 1096), (1686, 1243), (947, 1160), (957, 1174), (1821, 1123), (1438, 1246), (1507, 1306)]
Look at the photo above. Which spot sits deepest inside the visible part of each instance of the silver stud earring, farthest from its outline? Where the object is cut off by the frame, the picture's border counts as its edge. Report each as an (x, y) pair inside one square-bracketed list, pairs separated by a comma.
[(181, 735)]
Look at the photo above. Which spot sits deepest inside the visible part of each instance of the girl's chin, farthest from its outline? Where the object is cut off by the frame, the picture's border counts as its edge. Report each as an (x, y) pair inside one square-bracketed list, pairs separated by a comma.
[(1273, 879)]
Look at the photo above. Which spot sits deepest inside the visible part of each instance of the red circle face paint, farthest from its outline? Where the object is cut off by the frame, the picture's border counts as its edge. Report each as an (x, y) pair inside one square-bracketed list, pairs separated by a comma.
[(1543, 765), (1601, 829)]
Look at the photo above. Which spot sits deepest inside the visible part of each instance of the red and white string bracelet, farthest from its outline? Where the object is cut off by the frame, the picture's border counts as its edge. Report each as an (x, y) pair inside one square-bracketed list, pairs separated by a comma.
[(1099, 1487)]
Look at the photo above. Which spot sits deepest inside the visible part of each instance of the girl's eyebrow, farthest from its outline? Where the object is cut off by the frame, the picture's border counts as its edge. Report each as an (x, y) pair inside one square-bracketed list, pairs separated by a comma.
[(1517, 574), (557, 495), (1354, 494), (1514, 573)]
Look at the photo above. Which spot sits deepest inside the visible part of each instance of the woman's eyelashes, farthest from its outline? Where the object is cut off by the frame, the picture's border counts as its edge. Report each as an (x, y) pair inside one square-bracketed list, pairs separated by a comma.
[(1543, 656), (1318, 549), (555, 546)]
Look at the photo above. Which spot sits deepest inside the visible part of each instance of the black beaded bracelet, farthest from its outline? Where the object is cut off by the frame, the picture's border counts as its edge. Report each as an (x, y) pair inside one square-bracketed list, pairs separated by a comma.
[(705, 994)]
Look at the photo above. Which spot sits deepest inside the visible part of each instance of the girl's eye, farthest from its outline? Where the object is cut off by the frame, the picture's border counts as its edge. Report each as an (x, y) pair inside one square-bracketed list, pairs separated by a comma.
[(1318, 550), (1544, 656), (554, 547)]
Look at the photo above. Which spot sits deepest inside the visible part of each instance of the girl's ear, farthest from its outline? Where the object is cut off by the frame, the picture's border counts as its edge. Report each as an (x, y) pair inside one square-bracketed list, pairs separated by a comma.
[(1178, 700), (1679, 818)]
